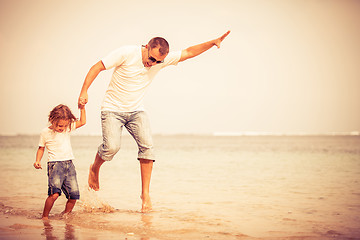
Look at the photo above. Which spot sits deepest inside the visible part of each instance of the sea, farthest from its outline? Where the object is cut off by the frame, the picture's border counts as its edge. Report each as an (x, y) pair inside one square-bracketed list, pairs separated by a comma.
[(202, 187)]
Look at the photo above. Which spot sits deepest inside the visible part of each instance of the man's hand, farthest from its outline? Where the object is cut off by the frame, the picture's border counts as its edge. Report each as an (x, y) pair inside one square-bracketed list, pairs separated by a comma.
[(196, 50), (220, 39)]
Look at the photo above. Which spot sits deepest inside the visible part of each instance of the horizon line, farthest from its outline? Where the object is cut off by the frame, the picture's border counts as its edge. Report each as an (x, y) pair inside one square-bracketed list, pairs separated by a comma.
[(247, 133), (218, 134)]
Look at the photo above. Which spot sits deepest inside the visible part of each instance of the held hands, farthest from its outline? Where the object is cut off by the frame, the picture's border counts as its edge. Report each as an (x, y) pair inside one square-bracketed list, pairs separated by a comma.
[(83, 99), (220, 39)]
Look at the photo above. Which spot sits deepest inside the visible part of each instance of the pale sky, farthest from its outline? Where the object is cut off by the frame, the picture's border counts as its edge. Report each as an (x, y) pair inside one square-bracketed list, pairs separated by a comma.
[(286, 67)]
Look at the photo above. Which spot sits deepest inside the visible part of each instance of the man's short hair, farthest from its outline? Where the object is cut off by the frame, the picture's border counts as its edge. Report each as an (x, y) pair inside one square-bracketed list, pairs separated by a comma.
[(161, 43)]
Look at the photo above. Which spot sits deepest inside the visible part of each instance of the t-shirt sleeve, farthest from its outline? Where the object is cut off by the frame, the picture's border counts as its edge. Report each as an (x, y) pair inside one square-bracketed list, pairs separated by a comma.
[(115, 58), (42, 139), (73, 126), (172, 58)]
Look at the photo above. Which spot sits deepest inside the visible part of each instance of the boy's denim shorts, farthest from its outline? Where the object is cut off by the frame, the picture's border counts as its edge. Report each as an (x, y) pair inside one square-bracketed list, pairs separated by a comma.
[(137, 124), (62, 176)]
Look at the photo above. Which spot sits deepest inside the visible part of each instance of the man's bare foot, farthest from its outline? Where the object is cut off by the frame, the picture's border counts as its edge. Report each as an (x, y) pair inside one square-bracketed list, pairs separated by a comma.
[(45, 218), (93, 179), (146, 203)]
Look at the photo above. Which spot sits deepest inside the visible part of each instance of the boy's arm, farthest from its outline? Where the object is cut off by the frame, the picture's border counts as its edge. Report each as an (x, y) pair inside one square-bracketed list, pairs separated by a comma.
[(39, 155), (82, 120), (90, 77), (200, 48)]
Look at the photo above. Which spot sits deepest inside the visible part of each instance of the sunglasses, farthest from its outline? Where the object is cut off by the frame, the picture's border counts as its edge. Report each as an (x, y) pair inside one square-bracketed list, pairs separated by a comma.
[(153, 59)]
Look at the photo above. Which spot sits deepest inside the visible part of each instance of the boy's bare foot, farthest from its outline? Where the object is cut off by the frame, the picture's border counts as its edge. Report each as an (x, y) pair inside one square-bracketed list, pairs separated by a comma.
[(146, 203), (65, 215), (93, 180), (45, 218)]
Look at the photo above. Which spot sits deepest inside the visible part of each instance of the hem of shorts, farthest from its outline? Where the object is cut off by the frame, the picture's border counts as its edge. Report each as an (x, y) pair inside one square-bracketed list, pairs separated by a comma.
[(146, 158), (104, 159), (74, 198), (52, 191)]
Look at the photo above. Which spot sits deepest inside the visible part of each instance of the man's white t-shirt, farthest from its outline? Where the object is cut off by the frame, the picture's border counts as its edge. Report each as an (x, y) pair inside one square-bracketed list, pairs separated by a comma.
[(130, 78), (57, 144)]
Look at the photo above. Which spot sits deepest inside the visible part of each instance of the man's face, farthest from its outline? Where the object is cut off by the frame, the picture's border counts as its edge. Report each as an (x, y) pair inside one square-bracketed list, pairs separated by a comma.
[(152, 56)]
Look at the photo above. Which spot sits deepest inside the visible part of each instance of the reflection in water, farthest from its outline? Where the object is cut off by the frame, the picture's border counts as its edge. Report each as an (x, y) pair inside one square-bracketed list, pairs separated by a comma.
[(147, 220), (48, 230), (69, 231), (147, 223), (63, 229)]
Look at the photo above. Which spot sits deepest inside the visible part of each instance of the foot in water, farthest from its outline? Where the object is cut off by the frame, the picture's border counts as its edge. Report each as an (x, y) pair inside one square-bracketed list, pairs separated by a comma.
[(93, 180), (146, 203)]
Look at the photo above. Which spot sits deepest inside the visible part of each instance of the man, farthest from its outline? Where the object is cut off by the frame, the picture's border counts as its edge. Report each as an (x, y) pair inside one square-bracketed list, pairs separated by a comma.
[(135, 67)]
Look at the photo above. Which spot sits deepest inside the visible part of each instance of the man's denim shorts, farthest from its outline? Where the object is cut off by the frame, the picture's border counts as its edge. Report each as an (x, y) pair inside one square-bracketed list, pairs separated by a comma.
[(62, 176), (137, 124)]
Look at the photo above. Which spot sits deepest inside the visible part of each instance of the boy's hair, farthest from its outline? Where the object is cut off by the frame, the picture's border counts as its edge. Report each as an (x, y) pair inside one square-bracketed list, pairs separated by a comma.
[(61, 112), (161, 43)]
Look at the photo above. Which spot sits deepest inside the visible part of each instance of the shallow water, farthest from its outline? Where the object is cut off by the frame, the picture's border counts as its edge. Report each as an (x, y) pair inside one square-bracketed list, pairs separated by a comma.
[(203, 187)]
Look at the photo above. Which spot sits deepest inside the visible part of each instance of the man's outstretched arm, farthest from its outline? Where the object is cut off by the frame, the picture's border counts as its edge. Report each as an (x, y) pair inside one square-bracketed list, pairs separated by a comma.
[(200, 48)]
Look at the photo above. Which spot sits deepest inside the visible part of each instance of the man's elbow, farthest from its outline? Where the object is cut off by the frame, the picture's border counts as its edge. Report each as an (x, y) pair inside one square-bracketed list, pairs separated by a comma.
[(98, 67), (185, 54)]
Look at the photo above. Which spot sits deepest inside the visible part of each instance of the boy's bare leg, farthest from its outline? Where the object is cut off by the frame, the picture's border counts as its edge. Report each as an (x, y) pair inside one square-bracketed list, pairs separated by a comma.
[(48, 205), (94, 173), (69, 206), (146, 169)]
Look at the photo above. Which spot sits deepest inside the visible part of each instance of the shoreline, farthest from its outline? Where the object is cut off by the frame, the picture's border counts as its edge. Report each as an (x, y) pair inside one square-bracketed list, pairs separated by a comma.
[(132, 225)]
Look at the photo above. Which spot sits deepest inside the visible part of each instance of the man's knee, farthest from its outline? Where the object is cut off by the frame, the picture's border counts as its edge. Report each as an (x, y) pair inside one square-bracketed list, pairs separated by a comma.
[(108, 151), (113, 148)]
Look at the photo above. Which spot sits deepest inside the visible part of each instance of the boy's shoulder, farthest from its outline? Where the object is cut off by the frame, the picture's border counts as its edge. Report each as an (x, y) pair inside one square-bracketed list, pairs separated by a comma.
[(46, 132), (45, 135)]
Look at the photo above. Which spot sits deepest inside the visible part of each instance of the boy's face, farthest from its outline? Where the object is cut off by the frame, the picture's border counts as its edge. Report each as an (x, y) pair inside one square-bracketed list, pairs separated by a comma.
[(61, 126)]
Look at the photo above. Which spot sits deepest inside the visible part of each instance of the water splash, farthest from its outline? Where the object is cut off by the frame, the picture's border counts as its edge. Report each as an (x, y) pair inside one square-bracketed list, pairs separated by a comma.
[(92, 202)]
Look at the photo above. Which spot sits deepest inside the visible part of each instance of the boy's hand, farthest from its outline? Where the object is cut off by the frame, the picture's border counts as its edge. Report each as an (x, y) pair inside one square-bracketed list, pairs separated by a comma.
[(37, 165), (81, 106)]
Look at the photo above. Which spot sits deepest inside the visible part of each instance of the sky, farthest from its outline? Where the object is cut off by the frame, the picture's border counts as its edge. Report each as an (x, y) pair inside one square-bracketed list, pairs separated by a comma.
[(286, 67)]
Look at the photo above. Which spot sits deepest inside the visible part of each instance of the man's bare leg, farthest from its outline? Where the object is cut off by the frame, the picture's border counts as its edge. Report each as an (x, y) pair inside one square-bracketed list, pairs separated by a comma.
[(146, 169), (94, 173)]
